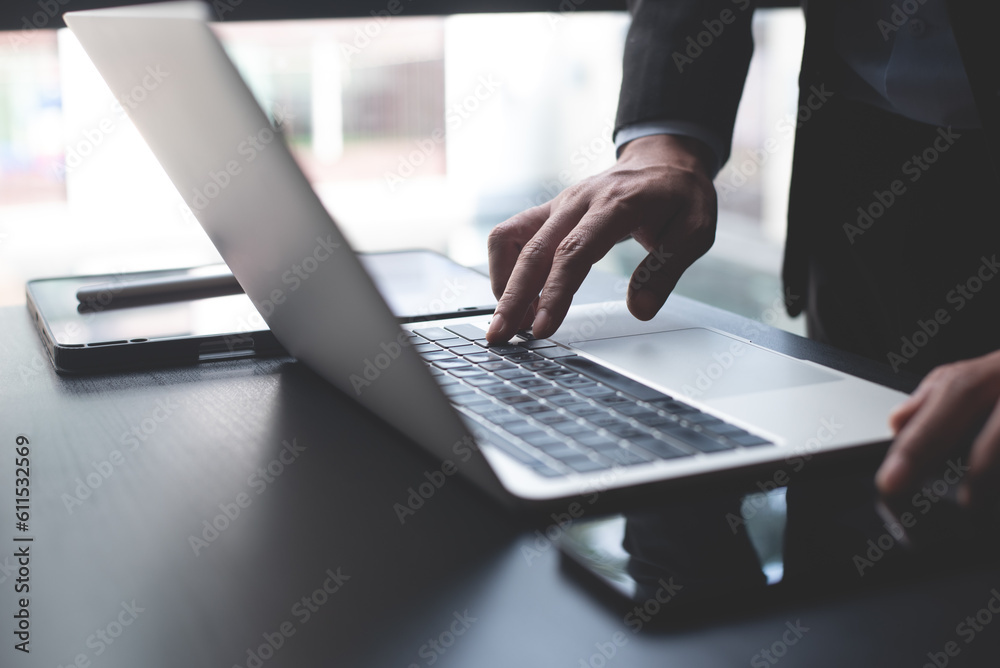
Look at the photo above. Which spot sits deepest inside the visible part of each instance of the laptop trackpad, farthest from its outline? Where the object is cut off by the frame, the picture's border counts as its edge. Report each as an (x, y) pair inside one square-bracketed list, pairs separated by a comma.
[(703, 364)]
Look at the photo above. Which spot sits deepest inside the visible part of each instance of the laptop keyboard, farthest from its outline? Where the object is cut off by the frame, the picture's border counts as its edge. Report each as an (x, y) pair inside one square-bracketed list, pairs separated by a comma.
[(560, 413)]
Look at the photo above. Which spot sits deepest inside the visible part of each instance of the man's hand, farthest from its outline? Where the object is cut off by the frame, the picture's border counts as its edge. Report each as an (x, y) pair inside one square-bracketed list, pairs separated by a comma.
[(659, 191), (954, 403)]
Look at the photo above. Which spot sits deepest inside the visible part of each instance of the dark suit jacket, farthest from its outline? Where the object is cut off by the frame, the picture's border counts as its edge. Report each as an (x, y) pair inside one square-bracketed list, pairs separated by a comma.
[(705, 83)]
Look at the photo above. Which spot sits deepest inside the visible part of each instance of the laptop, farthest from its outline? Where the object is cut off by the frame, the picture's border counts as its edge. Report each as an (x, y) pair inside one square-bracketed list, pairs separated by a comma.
[(609, 405)]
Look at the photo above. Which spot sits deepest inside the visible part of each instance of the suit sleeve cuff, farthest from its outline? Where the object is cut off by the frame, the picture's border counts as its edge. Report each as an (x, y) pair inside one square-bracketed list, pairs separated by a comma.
[(685, 128)]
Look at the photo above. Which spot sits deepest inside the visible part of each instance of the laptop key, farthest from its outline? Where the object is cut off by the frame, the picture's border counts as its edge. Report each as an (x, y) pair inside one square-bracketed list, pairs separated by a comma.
[(558, 450), (550, 417), (673, 406), (438, 356), (523, 356), (433, 333), (518, 453), (505, 349), (463, 372), (698, 440), (584, 410), (652, 419), (531, 382), (598, 442), (595, 391), (482, 358), (726, 429), (509, 374), (539, 439), (584, 464), (466, 331), (550, 391), (453, 363), (555, 353), (576, 382), (497, 366), (525, 430), (632, 410), (614, 400), (467, 350), (535, 344), (452, 343), (517, 398), (626, 431), (561, 399), (496, 388), (546, 470), (478, 381), (661, 449), (572, 428), (625, 457), (557, 372), (426, 348), (540, 365), (701, 418), (750, 440), (612, 378), (470, 399)]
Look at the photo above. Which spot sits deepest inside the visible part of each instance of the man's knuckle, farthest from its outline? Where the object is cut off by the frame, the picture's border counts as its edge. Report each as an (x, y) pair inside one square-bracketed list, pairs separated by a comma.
[(573, 249), (535, 251)]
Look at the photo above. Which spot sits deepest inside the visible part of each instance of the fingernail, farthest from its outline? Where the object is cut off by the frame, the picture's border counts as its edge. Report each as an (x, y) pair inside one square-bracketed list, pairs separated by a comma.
[(964, 496), (541, 323), (496, 326), (643, 303), (891, 476)]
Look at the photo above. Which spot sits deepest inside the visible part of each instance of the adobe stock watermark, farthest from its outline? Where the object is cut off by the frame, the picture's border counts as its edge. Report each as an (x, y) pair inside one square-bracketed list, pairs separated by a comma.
[(455, 116), (697, 44), (635, 619), (922, 502), (434, 480), (103, 469), (230, 511), (967, 630), (104, 637), (372, 367), (565, 7), (958, 297), (582, 157), (736, 174), (297, 274), (365, 35), (223, 7), (437, 647), (779, 648), (48, 10), (248, 149), (544, 540), (723, 360), (899, 16), (300, 613), (598, 315), (91, 138), (795, 461), (914, 168)]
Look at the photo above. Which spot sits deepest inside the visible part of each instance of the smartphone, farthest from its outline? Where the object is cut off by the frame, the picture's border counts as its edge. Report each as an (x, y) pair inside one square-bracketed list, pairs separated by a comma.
[(705, 557), (424, 285), (97, 336)]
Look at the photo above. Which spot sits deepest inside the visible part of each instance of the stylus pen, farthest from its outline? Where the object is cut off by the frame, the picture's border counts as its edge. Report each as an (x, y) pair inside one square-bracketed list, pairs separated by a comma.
[(166, 288)]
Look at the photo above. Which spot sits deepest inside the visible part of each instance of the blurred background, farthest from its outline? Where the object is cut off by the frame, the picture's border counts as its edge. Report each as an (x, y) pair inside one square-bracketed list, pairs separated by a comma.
[(416, 132)]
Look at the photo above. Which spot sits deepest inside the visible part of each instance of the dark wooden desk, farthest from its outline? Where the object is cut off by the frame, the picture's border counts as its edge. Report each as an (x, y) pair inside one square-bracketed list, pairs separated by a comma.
[(157, 454)]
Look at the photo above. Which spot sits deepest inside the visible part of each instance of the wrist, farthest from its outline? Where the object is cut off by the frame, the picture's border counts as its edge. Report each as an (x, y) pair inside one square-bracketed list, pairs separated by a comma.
[(679, 150)]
